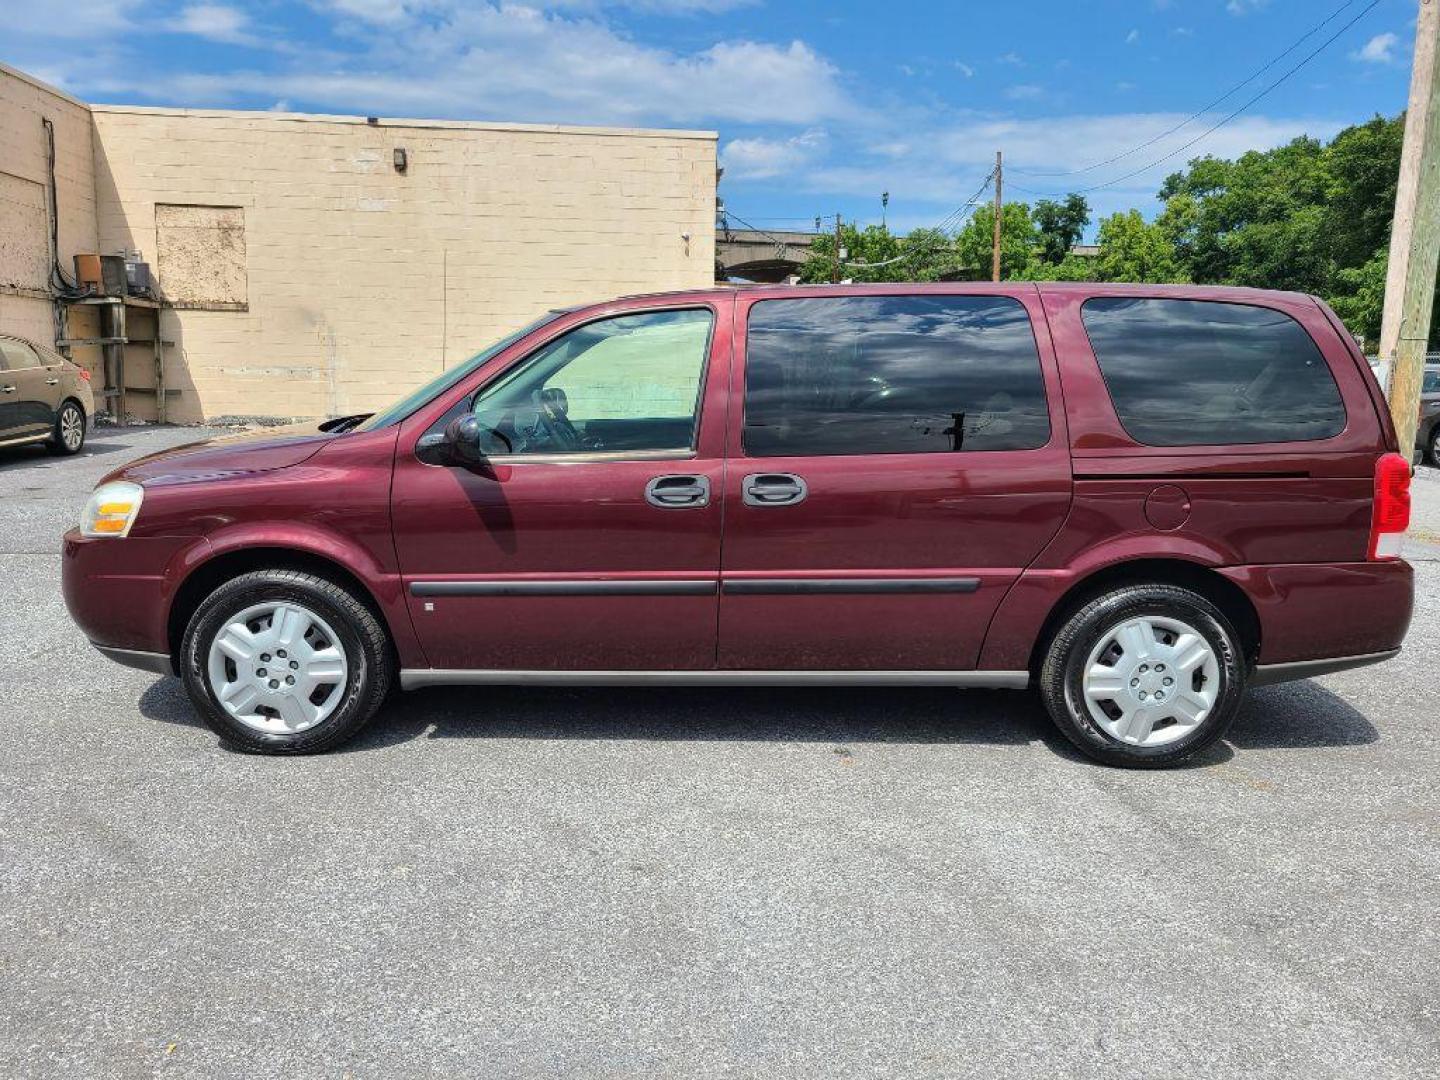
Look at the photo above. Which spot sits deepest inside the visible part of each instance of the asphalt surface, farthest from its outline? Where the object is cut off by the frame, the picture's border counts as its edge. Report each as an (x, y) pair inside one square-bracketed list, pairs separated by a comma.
[(678, 883)]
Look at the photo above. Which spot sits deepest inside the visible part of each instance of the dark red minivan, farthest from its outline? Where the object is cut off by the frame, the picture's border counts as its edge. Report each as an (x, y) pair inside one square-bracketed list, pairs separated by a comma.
[(1137, 499)]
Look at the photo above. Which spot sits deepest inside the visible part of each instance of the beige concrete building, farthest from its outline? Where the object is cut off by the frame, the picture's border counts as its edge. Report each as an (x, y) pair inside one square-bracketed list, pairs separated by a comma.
[(313, 265)]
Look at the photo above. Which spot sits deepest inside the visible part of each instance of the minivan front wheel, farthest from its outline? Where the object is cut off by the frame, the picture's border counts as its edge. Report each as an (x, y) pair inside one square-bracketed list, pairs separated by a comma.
[(284, 662), (1144, 676)]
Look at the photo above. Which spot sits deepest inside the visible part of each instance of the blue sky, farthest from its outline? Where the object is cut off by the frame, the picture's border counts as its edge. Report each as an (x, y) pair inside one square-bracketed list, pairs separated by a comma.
[(821, 104)]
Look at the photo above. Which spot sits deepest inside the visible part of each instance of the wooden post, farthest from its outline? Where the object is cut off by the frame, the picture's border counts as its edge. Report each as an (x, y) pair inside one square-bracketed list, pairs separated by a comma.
[(160, 404), (1415, 239), (999, 209)]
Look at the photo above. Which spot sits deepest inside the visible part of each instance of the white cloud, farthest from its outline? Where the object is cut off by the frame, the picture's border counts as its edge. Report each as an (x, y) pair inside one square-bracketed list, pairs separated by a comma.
[(373, 11), (1245, 7), (1024, 92), (945, 165), (1012, 58), (759, 158), (1380, 49), (471, 60), (964, 69), (1132, 37), (102, 19), (215, 22)]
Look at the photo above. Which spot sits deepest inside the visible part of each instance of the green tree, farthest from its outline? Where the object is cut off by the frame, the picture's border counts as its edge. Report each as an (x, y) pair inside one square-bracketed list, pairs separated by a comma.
[(1071, 268), (1132, 249), (876, 254), (975, 243), (1059, 227), (1358, 297), (1362, 168)]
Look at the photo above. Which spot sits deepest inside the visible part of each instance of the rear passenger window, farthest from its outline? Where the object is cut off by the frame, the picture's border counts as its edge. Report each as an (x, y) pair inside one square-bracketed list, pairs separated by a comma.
[(892, 375), (1202, 373)]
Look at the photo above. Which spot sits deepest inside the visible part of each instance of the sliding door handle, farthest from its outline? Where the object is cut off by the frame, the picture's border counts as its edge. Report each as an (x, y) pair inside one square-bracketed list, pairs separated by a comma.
[(773, 489)]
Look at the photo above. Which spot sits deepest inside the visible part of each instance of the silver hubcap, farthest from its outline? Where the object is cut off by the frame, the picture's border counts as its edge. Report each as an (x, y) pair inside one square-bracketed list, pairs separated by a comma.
[(72, 428), (1150, 681), (278, 668)]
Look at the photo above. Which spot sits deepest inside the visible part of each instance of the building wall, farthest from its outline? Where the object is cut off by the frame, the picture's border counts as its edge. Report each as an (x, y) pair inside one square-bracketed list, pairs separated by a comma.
[(311, 277), (25, 307)]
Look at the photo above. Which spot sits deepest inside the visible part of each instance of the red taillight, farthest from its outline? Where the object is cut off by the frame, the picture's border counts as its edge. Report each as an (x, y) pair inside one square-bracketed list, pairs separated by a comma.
[(1391, 515), (84, 373)]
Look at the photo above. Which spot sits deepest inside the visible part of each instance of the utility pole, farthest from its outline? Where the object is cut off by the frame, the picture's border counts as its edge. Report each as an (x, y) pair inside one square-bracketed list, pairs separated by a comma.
[(835, 278), (999, 205), (1415, 237)]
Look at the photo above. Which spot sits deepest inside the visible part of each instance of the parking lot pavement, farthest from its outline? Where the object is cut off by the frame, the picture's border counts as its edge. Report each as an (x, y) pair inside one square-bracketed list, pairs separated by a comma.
[(662, 883)]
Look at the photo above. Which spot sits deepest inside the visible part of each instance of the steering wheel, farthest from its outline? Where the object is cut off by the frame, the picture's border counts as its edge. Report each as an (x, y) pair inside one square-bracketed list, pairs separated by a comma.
[(554, 410)]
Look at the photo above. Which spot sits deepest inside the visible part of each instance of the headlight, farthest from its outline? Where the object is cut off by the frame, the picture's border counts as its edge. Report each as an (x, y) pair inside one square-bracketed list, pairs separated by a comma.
[(112, 509)]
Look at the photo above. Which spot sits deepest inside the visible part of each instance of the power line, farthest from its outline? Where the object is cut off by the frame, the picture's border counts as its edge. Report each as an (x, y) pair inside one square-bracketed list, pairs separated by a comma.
[(728, 215), (1203, 110), (1216, 127), (947, 223)]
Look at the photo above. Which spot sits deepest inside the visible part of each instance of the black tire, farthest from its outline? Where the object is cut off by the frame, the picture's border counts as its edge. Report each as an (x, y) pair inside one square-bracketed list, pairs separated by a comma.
[(1062, 672), (1434, 445), (359, 632), (69, 412)]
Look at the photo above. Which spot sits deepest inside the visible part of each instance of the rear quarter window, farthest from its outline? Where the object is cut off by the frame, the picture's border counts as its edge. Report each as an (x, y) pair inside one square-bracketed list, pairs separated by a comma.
[(1205, 373)]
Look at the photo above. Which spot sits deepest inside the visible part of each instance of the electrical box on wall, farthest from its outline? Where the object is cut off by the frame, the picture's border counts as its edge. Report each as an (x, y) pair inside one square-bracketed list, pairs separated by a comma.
[(104, 274)]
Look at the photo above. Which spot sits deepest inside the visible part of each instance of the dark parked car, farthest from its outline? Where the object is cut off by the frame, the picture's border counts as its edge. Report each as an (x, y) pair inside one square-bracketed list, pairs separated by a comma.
[(43, 397), (1428, 433), (1137, 500)]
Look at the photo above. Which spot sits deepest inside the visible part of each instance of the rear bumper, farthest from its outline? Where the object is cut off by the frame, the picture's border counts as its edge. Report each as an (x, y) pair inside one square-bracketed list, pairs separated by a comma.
[(1333, 613), (1270, 674), (160, 663)]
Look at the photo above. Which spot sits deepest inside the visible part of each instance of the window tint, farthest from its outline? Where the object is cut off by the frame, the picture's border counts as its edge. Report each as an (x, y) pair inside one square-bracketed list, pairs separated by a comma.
[(892, 375), (1198, 372), (627, 383), (15, 356)]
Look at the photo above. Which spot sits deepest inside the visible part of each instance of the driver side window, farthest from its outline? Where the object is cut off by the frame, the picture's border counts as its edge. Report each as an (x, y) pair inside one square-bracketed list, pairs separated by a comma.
[(628, 383)]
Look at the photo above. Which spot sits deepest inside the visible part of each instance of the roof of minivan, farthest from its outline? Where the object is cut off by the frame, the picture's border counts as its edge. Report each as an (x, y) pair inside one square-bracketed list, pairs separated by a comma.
[(1209, 292)]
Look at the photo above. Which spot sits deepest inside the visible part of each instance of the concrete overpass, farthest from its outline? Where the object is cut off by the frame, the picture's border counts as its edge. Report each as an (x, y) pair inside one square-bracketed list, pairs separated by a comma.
[(770, 255)]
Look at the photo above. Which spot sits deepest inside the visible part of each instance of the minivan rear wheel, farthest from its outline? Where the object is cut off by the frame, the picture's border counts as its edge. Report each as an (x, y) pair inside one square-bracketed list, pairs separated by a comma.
[(1144, 676), (285, 662)]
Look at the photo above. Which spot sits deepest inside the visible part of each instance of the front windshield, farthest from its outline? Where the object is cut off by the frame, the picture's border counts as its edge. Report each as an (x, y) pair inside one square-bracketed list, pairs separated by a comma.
[(446, 379)]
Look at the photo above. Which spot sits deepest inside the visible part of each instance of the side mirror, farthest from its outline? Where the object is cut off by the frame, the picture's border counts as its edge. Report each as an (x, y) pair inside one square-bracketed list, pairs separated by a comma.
[(468, 442)]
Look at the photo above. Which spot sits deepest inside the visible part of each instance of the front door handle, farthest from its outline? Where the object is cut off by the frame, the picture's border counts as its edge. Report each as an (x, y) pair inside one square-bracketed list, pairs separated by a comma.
[(52, 382), (773, 489), (678, 492)]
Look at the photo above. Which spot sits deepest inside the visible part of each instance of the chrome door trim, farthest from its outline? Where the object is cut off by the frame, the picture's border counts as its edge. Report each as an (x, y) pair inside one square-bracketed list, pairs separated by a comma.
[(832, 586), (415, 678), (552, 587)]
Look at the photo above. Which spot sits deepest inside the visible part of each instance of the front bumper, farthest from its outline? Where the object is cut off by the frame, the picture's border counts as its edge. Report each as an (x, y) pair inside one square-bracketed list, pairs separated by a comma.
[(119, 591)]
